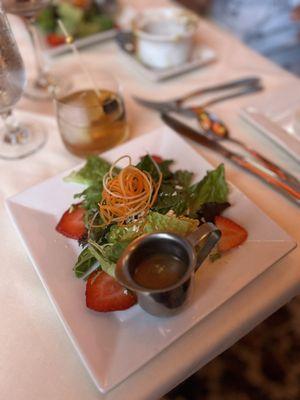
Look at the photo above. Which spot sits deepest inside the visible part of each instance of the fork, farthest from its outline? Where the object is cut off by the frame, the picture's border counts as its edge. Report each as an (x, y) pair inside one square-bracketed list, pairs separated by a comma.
[(174, 104), (200, 112)]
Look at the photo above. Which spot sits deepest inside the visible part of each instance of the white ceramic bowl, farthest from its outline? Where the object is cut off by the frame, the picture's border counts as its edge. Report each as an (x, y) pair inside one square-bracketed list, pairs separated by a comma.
[(164, 36)]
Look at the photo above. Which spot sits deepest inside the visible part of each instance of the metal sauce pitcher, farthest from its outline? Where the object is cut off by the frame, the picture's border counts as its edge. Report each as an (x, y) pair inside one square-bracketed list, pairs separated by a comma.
[(191, 250)]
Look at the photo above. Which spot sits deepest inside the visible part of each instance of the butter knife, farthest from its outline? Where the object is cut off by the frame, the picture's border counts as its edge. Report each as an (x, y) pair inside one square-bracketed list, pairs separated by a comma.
[(243, 162)]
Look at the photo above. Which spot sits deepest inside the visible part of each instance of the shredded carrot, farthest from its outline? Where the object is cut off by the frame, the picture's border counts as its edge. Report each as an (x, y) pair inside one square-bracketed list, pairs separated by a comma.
[(127, 194)]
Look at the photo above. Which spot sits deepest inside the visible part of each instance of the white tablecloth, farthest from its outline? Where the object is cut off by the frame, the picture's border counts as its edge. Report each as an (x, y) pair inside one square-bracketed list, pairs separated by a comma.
[(37, 360)]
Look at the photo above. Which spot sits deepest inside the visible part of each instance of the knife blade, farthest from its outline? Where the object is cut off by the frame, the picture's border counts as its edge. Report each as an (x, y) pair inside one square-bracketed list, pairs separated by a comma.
[(243, 162)]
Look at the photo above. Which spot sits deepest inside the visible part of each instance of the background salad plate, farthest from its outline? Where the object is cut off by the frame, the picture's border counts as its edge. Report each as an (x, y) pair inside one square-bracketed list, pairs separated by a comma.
[(80, 43), (114, 345)]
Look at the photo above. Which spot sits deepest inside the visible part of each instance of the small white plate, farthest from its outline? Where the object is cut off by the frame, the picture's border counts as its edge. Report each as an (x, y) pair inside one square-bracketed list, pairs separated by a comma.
[(274, 114), (114, 345), (79, 43), (202, 56)]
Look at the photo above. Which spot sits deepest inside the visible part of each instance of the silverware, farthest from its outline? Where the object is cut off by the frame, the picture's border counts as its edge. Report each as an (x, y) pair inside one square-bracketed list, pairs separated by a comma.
[(246, 164), (198, 110), (174, 104), (216, 130), (253, 85)]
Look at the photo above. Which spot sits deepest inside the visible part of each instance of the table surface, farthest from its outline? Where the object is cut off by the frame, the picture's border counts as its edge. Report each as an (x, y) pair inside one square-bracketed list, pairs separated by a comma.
[(37, 359)]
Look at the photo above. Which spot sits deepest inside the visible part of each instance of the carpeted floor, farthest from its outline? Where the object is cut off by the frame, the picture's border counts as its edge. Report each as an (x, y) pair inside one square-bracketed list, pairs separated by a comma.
[(264, 365)]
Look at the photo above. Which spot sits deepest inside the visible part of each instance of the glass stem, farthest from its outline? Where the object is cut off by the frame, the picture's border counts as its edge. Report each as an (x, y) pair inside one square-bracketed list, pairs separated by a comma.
[(13, 132), (42, 76)]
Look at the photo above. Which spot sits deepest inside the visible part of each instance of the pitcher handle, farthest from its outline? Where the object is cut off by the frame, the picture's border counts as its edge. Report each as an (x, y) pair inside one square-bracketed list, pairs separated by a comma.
[(206, 236)]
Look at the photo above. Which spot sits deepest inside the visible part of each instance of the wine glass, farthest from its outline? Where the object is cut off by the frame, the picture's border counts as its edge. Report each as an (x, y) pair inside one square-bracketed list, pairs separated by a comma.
[(18, 139), (40, 87)]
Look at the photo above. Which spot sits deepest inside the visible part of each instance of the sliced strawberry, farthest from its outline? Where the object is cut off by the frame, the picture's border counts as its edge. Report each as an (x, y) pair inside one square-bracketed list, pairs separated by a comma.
[(232, 234), (71, 223), (156, 158), (104, 293), (53, 39)]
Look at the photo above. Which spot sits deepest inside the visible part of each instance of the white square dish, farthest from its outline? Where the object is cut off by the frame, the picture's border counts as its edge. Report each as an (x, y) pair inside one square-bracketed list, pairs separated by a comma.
[(114, 345), (202, 56), (274, 114)]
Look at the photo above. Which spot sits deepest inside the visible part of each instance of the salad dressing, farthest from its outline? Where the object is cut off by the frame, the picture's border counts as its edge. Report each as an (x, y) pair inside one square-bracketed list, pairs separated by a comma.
[(159, 271)]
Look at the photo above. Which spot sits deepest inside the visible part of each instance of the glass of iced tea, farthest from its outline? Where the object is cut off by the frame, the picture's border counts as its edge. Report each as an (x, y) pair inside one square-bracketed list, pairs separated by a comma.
[(90, 113)]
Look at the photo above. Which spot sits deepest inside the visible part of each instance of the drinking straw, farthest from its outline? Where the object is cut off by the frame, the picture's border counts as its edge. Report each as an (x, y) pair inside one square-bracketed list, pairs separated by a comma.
[(70, 42)]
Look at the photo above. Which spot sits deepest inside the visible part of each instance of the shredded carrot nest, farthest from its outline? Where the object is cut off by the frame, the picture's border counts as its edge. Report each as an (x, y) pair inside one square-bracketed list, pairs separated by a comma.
[(127, 194)]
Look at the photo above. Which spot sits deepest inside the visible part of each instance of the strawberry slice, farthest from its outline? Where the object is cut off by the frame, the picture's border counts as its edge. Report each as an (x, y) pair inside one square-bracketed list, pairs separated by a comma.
[(232, 234), (53, 39), (157, 159), (104, 293), (71, 223)]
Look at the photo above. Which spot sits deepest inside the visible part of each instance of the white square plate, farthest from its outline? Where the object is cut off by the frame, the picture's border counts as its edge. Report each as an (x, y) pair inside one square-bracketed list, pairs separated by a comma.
[(202, 56), (114, 345), (274, 114)]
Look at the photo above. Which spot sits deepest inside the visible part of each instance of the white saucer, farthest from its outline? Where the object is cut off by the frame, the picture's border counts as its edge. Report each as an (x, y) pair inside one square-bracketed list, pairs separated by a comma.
[(202, 56)]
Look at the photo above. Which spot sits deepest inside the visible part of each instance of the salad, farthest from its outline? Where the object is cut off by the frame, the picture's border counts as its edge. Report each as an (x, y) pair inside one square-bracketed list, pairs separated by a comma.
[(118, 205), (80, 17)]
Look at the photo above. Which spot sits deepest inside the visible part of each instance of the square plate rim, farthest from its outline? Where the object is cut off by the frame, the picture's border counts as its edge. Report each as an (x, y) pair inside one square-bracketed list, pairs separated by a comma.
[(12, 199)]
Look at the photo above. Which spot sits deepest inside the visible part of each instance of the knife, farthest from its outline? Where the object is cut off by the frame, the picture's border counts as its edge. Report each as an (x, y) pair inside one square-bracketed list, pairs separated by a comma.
[(243, 162)]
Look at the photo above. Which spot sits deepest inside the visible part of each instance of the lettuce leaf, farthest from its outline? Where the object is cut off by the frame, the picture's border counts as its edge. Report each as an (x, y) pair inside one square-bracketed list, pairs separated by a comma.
[(84, 263), (173, 193), (154, 222), (211, 189), (146, 164), (99, 252), (70, 15), (91, 173)]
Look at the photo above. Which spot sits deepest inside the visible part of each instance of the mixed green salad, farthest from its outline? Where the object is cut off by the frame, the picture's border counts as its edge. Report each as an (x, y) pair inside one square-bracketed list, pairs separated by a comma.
[(180, 206), (80, 17)]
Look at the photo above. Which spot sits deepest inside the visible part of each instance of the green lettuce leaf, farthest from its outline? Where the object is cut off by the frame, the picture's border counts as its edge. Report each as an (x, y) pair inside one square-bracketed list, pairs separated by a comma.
[(173, 193), (107, 255), (84, 263), (99, 252), (94, 24), (46, 19), (171, 198), (70, 15), (211, 189), (91, 173), (183, 178), (146, 164), (155, 222)]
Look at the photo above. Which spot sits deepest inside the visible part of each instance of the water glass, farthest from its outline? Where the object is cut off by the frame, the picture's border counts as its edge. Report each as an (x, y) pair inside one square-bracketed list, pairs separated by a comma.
[(18, 139)]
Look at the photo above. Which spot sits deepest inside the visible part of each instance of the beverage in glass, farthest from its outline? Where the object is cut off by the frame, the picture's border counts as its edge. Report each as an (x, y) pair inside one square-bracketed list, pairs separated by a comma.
[(91, 114)]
